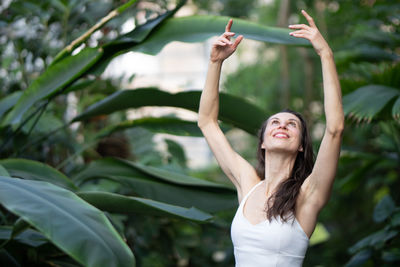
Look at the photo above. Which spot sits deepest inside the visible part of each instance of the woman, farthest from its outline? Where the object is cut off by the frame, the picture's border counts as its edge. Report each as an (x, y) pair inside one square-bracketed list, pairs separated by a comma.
[(280, 201)]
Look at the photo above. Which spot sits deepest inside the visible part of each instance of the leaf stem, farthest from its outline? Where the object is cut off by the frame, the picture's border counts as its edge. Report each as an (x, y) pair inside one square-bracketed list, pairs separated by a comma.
[(94, 28)]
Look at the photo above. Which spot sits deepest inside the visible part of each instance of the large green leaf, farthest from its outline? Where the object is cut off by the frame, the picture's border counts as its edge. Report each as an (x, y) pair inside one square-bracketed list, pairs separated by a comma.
[(177, 189), (152, 36), (123, 204), (52, 80), (120, 167), (158, 125), (207, 200), (34, 170), (77, 228), (367, 101), (200, 28), (231, 107), (173, 177)]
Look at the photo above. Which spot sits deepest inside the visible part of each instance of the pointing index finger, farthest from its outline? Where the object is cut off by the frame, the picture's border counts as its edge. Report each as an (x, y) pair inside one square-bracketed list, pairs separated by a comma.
[(308, 18), (229, 25)]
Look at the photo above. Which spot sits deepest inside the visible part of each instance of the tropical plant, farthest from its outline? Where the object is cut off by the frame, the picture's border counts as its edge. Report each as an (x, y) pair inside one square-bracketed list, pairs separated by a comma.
[(56, 219)]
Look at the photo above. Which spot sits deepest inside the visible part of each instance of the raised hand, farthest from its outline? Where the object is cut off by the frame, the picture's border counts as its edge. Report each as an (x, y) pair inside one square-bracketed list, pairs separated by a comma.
[(311, 33), (223, 47)]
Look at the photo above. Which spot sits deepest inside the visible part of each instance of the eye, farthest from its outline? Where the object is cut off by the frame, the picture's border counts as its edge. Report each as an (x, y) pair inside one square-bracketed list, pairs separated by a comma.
[(274, 122), (292, 123)]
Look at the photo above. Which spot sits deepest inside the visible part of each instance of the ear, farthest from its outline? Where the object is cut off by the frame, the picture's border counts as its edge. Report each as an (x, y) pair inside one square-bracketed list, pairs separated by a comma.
[(262, 146), (301, 149)]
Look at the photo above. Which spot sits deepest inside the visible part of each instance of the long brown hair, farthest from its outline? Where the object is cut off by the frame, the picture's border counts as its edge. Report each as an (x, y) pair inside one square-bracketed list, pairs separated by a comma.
[(283, 202)]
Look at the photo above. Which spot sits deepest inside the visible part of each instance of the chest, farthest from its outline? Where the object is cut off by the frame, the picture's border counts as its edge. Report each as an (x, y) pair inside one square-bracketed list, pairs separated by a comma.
[(254, 206), (268, 237)]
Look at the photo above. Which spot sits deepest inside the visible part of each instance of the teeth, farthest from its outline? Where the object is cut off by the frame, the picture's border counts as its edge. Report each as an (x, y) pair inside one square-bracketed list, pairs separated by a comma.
[(281, 135)]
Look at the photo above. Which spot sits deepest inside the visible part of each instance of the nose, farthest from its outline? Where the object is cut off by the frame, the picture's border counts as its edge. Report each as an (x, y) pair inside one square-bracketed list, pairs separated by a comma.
[(282, 125)]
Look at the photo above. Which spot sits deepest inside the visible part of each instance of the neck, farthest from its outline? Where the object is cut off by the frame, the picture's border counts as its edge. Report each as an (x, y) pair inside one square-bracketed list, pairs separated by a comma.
[(278, 167)]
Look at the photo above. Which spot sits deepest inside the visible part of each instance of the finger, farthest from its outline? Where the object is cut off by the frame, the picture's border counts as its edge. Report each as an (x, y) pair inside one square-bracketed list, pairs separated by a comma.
[(237, 41), (308, 18), (299, 32), (228, 34), (228, 26), (299, 26), (224, 40), (299, 35), (219, 43)]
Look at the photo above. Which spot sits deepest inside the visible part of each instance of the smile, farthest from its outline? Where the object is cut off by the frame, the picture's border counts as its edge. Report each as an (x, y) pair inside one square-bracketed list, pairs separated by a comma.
[(281, 135)]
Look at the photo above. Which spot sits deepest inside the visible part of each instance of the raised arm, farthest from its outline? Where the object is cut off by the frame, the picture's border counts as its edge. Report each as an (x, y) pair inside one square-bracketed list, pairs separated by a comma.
[(233, 165), (319, 184)]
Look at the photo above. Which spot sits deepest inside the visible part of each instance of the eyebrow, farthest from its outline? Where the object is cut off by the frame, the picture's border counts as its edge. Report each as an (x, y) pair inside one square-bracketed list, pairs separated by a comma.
[(289, 119)]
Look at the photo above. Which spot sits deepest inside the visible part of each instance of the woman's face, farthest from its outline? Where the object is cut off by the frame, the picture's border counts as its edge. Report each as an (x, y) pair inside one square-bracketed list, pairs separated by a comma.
[(283, 133)]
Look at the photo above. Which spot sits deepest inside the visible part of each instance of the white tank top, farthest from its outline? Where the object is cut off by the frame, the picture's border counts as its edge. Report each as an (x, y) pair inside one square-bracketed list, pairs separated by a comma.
[(267, 243)]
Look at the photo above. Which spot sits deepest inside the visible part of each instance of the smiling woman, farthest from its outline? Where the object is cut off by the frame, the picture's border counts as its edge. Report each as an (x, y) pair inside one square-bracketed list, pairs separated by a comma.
[(285, 131), (281, 199)]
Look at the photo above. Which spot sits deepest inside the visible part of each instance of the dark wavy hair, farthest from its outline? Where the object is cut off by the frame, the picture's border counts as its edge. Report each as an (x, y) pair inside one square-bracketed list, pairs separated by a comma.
[(283, 202)]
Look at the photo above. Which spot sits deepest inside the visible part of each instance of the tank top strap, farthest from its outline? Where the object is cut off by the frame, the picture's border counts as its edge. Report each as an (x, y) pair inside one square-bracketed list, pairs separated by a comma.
[(248, 193)]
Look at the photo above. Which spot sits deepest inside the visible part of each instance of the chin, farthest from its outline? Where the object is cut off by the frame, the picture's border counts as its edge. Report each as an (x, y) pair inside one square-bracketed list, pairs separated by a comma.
[(281, 149)]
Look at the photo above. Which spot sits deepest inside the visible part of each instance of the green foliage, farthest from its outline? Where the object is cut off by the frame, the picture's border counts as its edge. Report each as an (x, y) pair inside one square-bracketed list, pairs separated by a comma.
[(160, 184), (230, 107), (199, 28), (55, 78), (380, 247), (125, 205), (33, 170), (94, 242), (156, 125), (365, 103), (151, 199), (376, 100)]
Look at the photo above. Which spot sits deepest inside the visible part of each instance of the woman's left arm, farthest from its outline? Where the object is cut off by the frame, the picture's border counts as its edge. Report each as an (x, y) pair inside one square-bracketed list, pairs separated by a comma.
[(318, 185)]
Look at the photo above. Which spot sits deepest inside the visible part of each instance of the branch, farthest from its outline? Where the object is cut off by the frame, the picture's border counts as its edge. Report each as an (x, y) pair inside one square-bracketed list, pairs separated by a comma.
[(97, 26)]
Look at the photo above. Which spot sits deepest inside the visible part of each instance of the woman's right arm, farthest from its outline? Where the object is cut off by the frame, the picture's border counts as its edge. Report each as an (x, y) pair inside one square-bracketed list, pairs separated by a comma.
[(233, 165)]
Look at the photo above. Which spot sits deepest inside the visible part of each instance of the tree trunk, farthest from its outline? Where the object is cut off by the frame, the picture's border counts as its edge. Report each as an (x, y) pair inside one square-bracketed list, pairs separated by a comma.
[(284, 66)]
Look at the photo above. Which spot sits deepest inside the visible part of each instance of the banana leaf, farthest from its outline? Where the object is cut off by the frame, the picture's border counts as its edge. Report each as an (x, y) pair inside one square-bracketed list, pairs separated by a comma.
[(77, 228), (158, 125), (55, 78), (34, 170), (160, 185), (122, 204), (231, 107), (199, 28)]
